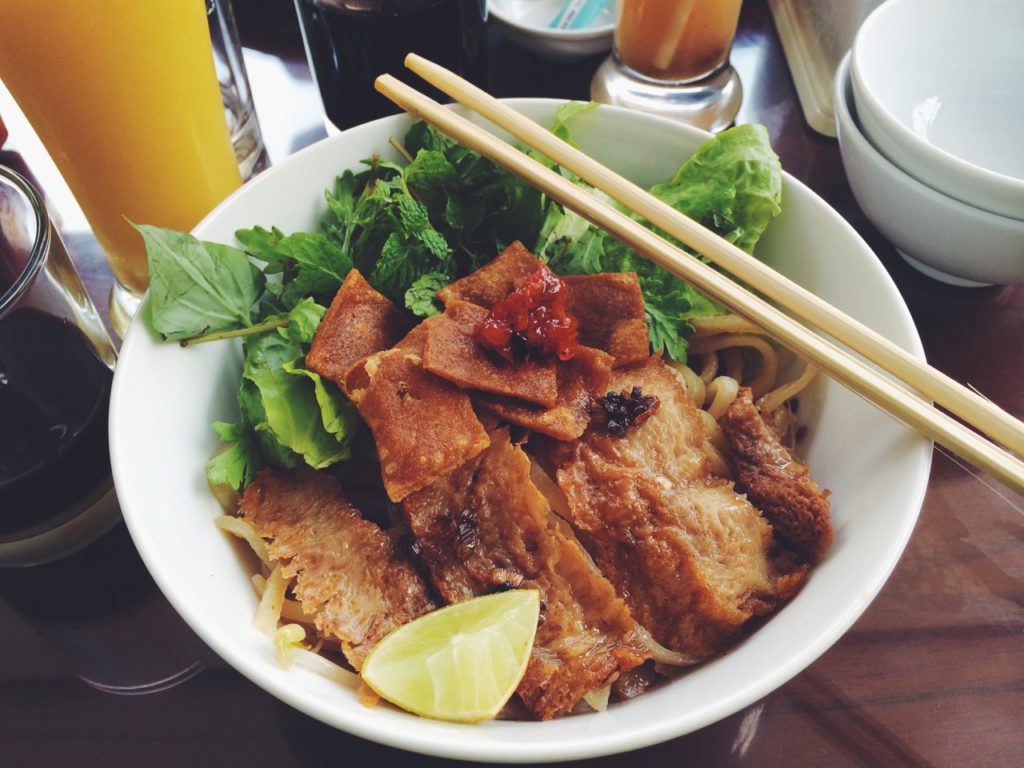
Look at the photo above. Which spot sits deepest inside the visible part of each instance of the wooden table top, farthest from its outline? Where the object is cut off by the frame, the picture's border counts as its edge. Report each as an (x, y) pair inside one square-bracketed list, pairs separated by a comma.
[(931, 675)]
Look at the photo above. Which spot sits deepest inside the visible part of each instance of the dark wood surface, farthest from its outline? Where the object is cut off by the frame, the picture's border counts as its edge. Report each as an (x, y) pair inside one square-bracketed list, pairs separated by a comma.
[(932, 674)]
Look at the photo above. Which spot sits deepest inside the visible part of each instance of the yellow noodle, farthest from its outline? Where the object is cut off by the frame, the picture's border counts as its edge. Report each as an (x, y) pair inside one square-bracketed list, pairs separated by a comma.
[(710, 369), (692, 383), (291, 610), (597, 699), (722, 392), (321, 665), (243, 530), (728, 344), (781, 394), (286, 640), (269, 611)]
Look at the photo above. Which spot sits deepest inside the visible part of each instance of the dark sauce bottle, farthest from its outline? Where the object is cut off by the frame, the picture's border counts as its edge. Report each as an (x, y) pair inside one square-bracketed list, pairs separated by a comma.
[(351, 42)]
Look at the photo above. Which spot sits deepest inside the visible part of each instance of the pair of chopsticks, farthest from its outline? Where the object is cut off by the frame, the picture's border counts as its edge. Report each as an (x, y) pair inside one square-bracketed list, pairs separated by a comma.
[(898, 401)]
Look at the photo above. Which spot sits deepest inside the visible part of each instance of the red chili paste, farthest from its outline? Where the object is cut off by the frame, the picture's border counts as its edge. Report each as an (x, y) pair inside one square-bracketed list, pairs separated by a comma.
[(531, 322)]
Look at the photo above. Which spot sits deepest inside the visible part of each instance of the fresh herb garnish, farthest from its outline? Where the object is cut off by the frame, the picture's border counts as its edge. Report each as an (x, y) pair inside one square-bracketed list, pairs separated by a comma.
[(412, 229), (197, 287), (732, 185)]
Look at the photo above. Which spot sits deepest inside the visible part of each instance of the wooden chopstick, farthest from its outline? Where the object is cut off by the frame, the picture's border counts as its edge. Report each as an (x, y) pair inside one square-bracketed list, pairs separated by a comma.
[(840, 365), (974, 409)]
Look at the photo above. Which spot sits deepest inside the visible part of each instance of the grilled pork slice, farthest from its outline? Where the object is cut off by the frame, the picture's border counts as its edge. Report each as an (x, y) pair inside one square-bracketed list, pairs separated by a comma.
[(349, 573), (779, 485), (487, 527), (693, 559)]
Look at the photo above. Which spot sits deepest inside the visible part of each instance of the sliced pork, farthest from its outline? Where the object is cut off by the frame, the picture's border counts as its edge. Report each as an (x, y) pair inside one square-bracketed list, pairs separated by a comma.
[(693, 558), (777, 483), (486, 527), (351, 575)]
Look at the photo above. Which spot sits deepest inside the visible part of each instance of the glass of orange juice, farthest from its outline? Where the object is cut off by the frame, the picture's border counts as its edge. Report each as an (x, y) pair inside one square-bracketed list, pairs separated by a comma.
[(125, 97), (671, 57)]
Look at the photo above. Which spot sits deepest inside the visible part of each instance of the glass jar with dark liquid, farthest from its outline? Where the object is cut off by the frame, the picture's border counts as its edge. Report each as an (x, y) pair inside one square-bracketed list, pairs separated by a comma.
[(56, 362), (350, 42)]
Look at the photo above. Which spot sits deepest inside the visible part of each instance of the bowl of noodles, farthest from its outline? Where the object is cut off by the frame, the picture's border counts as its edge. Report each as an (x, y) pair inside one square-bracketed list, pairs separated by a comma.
[(165, 398)]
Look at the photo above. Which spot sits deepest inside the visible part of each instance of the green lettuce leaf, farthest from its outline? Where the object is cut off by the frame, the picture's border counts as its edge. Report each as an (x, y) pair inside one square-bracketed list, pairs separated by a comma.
[(732, 185), (292, 407)]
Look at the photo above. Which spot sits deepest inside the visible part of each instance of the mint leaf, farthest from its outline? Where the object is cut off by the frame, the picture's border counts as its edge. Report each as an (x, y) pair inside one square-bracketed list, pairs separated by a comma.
[(197, 287), (429, 176), (421, 298), (310, 264)]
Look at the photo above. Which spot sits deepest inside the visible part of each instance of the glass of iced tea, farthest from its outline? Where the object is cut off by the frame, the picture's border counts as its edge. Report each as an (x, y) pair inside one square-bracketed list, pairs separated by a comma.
[(671, 57)]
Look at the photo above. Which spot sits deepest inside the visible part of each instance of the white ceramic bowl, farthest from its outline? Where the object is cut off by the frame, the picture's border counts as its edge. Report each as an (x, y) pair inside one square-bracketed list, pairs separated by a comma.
[(938, 90), (526, 23), (165, 397), (943, 237)]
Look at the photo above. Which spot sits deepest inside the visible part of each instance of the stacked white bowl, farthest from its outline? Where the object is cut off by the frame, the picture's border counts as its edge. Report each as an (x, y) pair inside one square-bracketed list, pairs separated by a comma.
[(930, 117)]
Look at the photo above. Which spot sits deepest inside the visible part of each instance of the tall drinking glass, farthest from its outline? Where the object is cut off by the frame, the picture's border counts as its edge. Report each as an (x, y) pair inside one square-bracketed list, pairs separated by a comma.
[(56, 366), (124, 95), (671, 57)]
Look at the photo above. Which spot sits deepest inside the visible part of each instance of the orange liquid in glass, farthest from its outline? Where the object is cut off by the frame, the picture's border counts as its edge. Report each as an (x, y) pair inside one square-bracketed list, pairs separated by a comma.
[(124, 96), (676, 40)]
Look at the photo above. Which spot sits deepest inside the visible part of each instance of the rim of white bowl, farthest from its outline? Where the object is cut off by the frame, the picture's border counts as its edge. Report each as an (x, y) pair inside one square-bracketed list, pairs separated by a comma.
[(996, 184)]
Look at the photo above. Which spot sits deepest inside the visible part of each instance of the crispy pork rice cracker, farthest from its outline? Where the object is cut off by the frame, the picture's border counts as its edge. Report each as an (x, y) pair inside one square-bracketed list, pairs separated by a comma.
[(349, 573), (610, 308), (359, 322), (494, 280), (581, 381), (693, 559), (424, 426), (451, 352), (486, 527)]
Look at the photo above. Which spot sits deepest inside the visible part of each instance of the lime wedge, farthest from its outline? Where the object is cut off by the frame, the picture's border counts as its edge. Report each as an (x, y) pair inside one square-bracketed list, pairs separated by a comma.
[(461, 662)]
